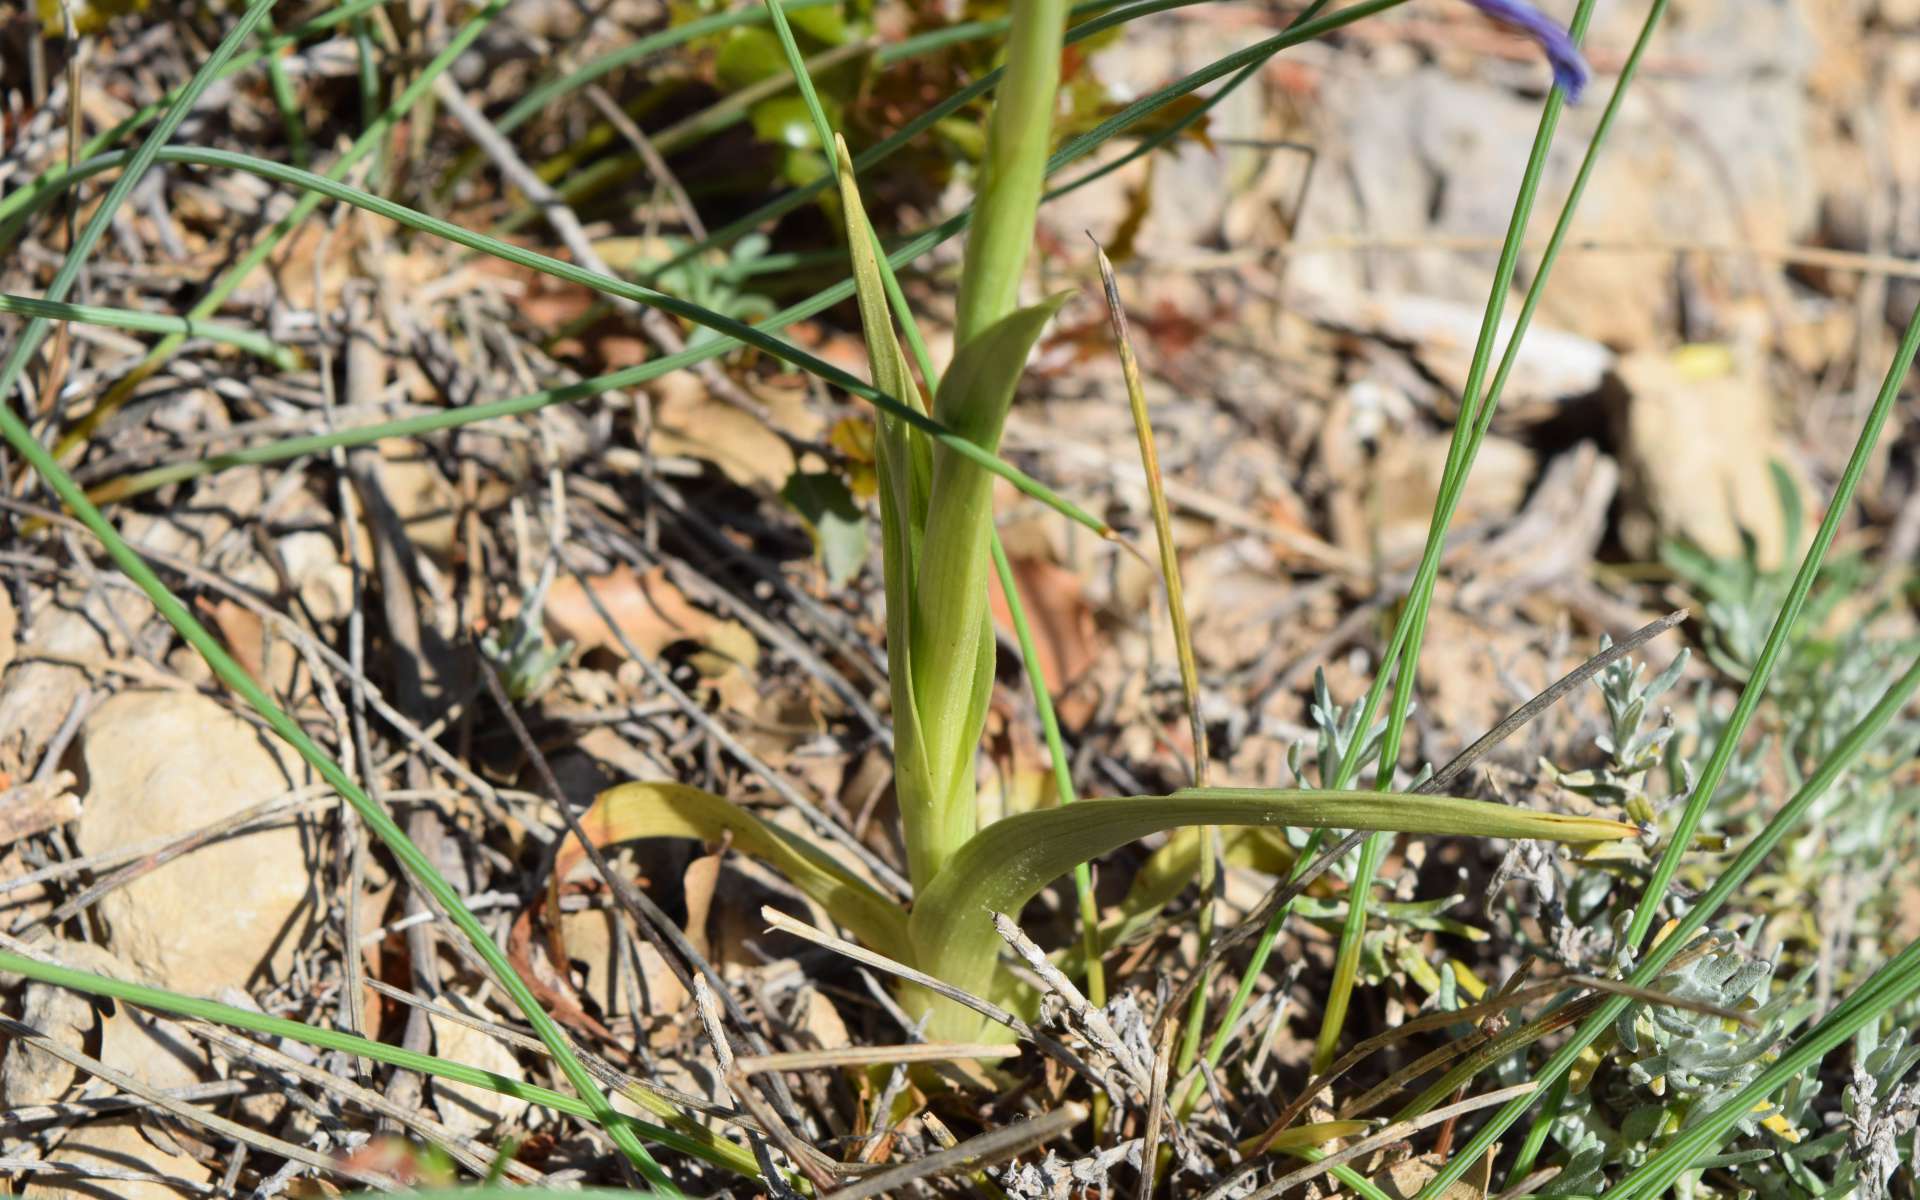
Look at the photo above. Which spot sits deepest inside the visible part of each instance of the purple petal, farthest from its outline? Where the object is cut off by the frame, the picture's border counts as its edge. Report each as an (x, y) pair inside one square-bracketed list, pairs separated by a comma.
[(1569, 69)]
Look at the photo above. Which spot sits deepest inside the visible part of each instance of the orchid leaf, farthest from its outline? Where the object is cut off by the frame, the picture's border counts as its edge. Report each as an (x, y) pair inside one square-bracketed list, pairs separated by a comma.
[(952, 634), (643, 810), (1006, 864)]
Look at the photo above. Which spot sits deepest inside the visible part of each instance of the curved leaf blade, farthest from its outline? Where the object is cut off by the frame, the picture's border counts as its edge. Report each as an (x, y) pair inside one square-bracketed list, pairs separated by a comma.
[(632, 811), (1006, 864)]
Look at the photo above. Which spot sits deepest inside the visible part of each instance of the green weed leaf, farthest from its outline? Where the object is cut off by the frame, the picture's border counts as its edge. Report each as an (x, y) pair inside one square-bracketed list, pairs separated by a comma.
[(838, 526)]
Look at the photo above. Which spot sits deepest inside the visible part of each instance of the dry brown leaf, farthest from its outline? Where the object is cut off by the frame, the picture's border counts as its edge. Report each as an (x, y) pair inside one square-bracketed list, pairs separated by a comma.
[(700, 880), (1058, 615), (650, 611), (691, 423)]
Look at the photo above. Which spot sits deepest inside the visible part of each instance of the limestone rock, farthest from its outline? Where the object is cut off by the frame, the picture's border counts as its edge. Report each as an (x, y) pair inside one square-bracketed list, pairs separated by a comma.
[(470, 1110), (117, 1145), (1698, 440), (30, 1076), (161, 765)]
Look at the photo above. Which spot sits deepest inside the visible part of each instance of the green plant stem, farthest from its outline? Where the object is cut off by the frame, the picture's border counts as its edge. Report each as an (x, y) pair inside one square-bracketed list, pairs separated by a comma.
[(1009, 586), (252, 341), (952, 635), (1019, 135)]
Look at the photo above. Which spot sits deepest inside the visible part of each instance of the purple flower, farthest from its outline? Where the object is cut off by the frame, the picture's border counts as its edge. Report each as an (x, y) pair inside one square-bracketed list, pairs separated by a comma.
[(1569, 69)]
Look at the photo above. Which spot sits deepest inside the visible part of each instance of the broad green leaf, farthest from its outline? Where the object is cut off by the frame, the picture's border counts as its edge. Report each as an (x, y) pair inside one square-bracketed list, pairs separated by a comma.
[(643, 810), (905, 469), (952, 647), (1006, 864)]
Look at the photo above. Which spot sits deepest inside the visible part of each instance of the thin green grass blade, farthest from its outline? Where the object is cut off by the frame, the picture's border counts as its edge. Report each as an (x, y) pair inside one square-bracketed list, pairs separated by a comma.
[(1891, 986), (1346, 962), (137, 163), (374, 135), (16, 432), (589, 182), (252, 341), (21, 202), (711, 1149), (543, 94), (752, 335), (906, 252), (419, 868), (1461, 452)]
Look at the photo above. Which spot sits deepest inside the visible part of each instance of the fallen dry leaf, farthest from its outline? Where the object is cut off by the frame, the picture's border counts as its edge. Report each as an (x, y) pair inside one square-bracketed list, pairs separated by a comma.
[(690, 422), (649, 610), (1058, 615)]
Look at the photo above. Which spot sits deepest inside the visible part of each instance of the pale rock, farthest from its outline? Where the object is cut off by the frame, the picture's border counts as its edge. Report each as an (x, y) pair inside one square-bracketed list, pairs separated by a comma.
[(117, 1144), (463, 1108), (1552, 365), (162, 765), (1415, 183), (314, 567), (1698, 437), (1406, 481), (153, 1050), (424, 500), (29, 1075), (822, 1023)]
